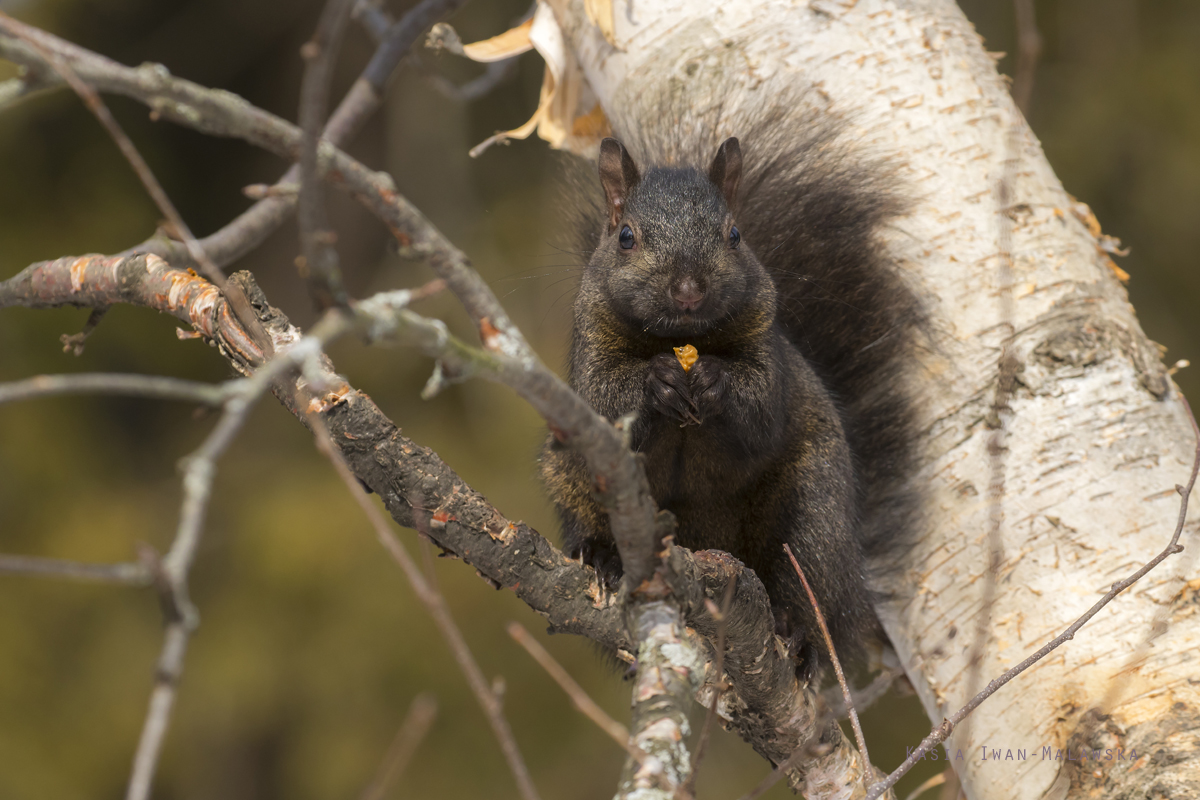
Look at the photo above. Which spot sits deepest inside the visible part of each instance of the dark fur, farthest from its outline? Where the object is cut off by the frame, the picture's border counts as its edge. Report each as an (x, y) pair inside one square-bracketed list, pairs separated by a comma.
[(793, 425)]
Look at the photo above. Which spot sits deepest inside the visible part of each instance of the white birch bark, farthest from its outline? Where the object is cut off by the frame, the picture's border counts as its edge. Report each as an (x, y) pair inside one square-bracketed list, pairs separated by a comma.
[(1097, 436)]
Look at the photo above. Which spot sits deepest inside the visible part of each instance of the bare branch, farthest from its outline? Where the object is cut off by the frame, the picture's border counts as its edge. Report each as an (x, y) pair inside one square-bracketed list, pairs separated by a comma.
[(616, 731), (92, 100), (211, 111), (96, 281), (154, 386), (375, 21), (833, 656), (128, 574), (162, 698), (403, 35), (412, 732), (316, 239), (199, 470), (73, 343)]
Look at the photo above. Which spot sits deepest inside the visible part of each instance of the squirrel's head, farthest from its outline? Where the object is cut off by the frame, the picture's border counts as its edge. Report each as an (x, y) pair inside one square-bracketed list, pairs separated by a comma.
[(671, 260)]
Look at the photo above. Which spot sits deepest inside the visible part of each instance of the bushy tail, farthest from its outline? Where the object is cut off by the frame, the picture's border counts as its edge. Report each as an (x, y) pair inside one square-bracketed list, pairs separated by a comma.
[(813, 214)]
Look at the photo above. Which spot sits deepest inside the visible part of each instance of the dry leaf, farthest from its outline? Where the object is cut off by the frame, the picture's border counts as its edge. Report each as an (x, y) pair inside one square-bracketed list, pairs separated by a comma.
[(511, 43), (568, 115)]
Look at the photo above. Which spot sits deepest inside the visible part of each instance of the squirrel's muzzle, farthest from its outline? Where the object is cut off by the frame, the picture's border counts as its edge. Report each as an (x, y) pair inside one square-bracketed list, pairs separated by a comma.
[(688, 294)]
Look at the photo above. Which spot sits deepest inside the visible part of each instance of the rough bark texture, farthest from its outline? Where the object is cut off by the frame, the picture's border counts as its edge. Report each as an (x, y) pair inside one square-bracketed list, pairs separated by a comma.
[(1097, 437), (669, 673)]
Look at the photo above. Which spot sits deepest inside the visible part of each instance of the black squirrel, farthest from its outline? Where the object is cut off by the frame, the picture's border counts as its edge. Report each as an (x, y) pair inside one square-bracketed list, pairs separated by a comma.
[(793, 425)]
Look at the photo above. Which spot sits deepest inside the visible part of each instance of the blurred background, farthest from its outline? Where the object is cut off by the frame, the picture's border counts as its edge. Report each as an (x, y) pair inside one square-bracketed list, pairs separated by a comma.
[(312, 645)]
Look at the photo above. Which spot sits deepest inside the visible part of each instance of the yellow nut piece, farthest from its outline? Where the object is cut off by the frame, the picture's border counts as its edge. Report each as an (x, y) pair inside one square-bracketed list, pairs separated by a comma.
[(687, 356)]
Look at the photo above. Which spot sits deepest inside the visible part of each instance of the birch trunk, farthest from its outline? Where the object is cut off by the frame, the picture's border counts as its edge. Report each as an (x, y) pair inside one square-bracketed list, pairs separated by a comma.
[(1097, 435)]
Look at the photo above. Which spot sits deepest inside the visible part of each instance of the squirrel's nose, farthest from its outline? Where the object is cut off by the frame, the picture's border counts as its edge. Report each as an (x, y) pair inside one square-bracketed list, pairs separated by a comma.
[(687, 294)]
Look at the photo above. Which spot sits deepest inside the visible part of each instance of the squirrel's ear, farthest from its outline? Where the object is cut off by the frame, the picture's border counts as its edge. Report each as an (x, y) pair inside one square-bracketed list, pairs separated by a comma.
[(726, 170), (618, 175)]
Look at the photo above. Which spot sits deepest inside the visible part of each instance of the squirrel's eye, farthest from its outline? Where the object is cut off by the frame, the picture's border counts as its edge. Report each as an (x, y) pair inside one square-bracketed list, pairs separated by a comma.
[(735, 238), (626, 238)]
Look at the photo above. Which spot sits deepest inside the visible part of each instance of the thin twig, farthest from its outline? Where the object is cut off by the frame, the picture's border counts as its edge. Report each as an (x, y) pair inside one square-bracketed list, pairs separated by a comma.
[(73, 342), (92, 100), (936, 780), (495, 74), (833, 657), (436, 605), (162, 699), (375, 21), (416, 725), (939, 734), (155, 386), (14, 90), (128, 574), (615, 730), (1184, 570), (863, 698), (320, 257), (403, 35)]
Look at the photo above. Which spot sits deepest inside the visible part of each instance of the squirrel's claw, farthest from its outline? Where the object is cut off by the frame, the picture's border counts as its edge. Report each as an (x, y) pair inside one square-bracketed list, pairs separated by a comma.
[(709, 387), (667, 389), (603, 557)]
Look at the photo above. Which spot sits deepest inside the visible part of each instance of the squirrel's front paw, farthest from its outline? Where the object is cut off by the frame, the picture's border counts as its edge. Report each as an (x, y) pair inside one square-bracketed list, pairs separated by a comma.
[(709, 387), (667, 390)]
